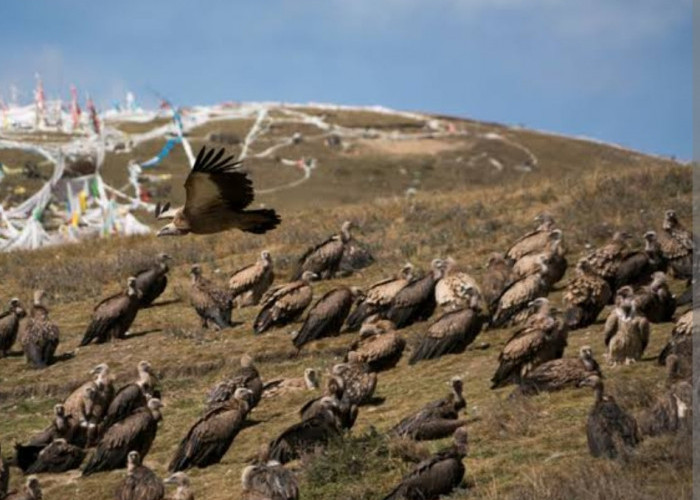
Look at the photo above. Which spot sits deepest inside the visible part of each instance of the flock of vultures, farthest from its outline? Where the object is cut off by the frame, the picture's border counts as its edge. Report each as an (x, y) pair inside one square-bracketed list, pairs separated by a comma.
[(100, 427)]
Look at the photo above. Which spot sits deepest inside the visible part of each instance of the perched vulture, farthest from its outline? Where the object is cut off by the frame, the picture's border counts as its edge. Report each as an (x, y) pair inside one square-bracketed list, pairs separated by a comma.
[(248, 284), (332, 399), (610, 430), (88, 404), (359, 382), (681, 342), (452, 332), (269, 481), (31, 491), (324, 259), (672, 410), (355, 256), (533, 242), (541, 339), (62, 427), (552, 256), (151, 282), (59, 456), (140, 483), (495, 280), (626, 334), (437, 419), (448, 290), (113, 316), (41, 336), (247, 376), (135, 432), (306, 435), (326, 317), (9, 326), (437, 475), (132, 396), (416, 301), (284, 304), (378, 297), (655, 301), (379, 346), (210, 437), (212, 304), (517, 296), (182, 481), (217, 194), (677, 246), (276, 387), (636, 268), (559, 374), (4, 476), (606, 260), (585, 297)]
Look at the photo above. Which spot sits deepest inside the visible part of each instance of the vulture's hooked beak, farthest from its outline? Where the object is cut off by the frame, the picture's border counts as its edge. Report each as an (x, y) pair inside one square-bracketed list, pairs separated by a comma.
[(171, 480), (169, 230)]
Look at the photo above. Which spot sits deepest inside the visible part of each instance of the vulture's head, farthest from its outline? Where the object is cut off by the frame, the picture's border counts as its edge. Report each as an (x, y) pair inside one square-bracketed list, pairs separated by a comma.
[(179, 479), (460, 436), (247, 476), (438, 267), (540, 304), (155, 405), (650, 236), (243, 394), (593, 381), (195, 270), (621, 236), (624, 293), (585, 352), (59, 410), (247, 361), (407, 271), (456, 383), (335, 386), (101, 369), (33, 488), (658, 279), (544, 221), (266, 257), (163, 258), (311, 378), (39, 297), (670, 219), (345, 230), (131, 287), (133, 460), (145, 367), (308, 276), (16, 308), (356, 292), (495, 259), (177, 227)]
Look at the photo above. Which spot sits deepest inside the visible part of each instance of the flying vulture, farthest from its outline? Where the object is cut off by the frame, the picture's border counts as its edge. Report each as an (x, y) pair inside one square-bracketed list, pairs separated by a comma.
[(182, 481), (9, 325), (284, 304), (213, 304), (140, 483), (559, 374), (326, 317), (246, 376), (270, 480), (41, 336), (113, 316), (626, 334), (533, 242), (151, 282), (248, 284), (379, 346), (585, 297), (217, 194), (416, 301)]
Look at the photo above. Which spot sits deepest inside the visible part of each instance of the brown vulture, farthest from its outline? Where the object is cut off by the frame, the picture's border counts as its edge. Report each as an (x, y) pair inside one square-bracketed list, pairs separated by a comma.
[(332, 398), (626, 334), (213, 304), (534, 241), (113, 316), (31, 491), (681, 342), (516, 298), (637, 267), (495, 280), (585, 297), (135, 432), (606, 260), (559, 374), (270, 480), (248, 284), (182, 481), (284, 304), (9, 325), (610, 430), (151, 282), (326, 317), (378, 297), (379, 346), (217, 194), (448, 290), (246, 376), (416, 301), (673, 409), (655, 301), (437, 419), (140, 483), (359, 382), (436, 476), (453, 331), (356, 256), (4, 476), (63, 427), (88, 404), (552, 256), (279, 386), (677, 246), (324, 259), (210, 437), (59, 456), (40, 337), (132, 396)]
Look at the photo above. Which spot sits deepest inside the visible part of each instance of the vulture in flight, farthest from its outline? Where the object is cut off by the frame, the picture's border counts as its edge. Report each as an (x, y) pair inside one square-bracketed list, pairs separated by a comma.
[(31, 491), (113, 316), (559, 374), (534, 241), (448, 290), (212, 304), (378, 297), (610, 430), (283, 304), (140, 483), (416, 301), (9, 325), (308, 382), (59, 456), (217, 195), (379, 346), (270, 480), (436, 420), (182, 481), (248, 284), (135, 433), (326, 317), (324, 259), (247, 376), (437, 475), (41, 336), (585, 297), (626, 334), (151, 282), (677, 246), (132, 396), (453, 331), (210, 437)]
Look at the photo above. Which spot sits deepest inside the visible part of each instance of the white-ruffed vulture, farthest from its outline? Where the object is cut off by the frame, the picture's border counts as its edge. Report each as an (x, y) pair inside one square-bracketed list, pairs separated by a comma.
[(379, 346), (246, 376), (213, 304), (270, 480), (326, 317), (437, 475), (448, 290), (248, 284), (112, 317), (217, 195), (9, 325), (416, 301), (585, 297), (279, 386), (135, 433), (151, 282), (626, 334), (40, 337), (140, 483), (324, 259), (533, 242), (183, 490), (132, 396), (284, 304), (559, 374)]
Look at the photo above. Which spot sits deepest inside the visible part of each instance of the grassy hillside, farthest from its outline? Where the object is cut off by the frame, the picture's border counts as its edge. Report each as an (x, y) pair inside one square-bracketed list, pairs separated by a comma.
[(518, 449)]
